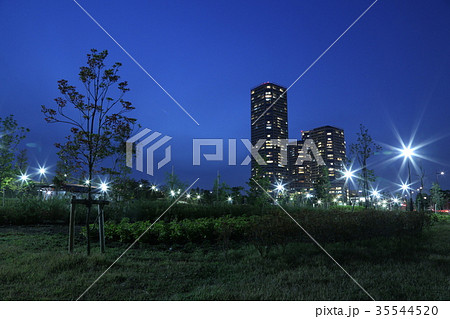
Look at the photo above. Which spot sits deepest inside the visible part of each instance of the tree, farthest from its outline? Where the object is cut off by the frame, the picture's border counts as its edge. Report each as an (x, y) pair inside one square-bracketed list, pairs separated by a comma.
[(437, 196), (323, 185), (362, 150), (20, 167), (173, 184), (62, 174), (98, 122), (11, 134), (220, 190), (236, 194), (420, 198), (255, 194)]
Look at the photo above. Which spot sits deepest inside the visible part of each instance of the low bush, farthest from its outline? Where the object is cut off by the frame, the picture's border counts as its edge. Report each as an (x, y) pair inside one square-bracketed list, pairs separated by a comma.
[(34, 211), (275, 228), (140, 210)]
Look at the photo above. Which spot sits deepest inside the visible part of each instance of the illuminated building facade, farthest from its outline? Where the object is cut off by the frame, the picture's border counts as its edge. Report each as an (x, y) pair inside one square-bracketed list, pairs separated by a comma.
[(330, 142), (273, 124)]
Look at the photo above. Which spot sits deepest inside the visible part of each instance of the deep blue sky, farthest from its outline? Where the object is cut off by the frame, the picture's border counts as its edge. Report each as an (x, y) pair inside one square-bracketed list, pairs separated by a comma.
[(391, 70)]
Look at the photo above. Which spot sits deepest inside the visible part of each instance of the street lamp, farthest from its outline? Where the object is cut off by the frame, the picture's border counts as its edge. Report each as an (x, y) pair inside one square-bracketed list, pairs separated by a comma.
[(279, 188), (376, 194), (348, 175), (42, 172), (308, 196), (405, 187), (407, 152), (24, 178), (104, 187), (441, 173)]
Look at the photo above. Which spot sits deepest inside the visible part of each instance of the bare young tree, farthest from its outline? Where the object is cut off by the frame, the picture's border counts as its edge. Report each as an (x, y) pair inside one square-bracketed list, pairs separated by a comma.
[(362, 150), (99, 126)]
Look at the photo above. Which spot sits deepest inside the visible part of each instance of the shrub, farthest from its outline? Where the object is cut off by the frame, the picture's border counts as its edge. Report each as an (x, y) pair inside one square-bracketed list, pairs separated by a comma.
[(271, 229), (34, 211)]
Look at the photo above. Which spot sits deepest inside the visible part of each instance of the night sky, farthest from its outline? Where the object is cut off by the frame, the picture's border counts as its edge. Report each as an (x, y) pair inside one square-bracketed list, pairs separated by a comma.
[(391, 72)]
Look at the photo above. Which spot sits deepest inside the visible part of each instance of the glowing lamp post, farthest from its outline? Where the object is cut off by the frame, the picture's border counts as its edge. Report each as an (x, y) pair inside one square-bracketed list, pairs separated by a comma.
[(348, 175), (408, 153), (308, 196), (104, 187), (42, 171), (439, 174), (376, 194), (279, 188)]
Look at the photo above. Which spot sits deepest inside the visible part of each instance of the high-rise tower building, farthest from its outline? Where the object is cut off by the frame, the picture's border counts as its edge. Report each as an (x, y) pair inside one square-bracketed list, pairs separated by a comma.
[(330, 143), (271, 125)]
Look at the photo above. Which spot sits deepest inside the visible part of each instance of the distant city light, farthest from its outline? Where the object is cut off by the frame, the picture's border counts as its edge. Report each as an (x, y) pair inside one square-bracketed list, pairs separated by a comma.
[(87, 182), (153, 188), (198, 196), (319, 202), (23, 178), (376, 193), (229, 199), (188, 196), (42, 171), (172, 193), (308, 195), (140, 185)]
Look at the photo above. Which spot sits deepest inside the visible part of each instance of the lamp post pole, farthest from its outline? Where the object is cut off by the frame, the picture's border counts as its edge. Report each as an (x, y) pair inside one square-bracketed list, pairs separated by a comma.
[(411, 208)]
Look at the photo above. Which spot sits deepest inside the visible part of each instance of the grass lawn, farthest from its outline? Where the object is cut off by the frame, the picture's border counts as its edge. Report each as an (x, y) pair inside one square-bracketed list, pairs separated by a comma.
[(34, 265)]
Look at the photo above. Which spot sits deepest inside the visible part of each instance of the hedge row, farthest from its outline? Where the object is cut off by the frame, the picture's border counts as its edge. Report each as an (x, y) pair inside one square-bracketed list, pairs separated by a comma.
[(56, 211), (271, 228)]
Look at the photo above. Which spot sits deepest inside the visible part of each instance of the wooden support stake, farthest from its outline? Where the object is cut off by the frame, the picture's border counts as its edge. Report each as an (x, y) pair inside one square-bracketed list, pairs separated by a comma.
[(101, 228), (71, 224), (88, 230)]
